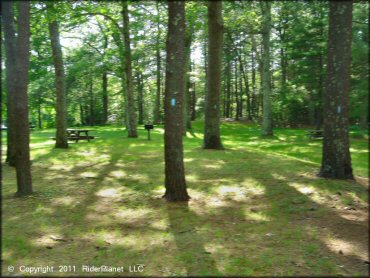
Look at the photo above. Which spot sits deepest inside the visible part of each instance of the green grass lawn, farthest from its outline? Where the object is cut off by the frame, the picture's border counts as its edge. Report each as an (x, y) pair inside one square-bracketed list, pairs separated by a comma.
[(257, 207)]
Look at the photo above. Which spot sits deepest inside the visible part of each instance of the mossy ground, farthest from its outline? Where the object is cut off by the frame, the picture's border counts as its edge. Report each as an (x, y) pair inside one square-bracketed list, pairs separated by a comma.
[(257, 207)]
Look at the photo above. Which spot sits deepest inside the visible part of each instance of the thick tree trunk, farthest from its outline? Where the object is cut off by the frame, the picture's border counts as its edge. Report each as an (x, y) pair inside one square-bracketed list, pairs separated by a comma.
[(61, 106), (11, 75), (266, 74), (157, 107), (336, 160), (130, 104), (212, 138), (19, 64), (174, 90)]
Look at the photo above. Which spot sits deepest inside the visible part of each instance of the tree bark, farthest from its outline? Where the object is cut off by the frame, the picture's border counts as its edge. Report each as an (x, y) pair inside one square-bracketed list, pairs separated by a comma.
[(212, 138), (18, 65), (130, 105), (11, 75), (174, 89), (336, 160), (266, 74), (60, 86)]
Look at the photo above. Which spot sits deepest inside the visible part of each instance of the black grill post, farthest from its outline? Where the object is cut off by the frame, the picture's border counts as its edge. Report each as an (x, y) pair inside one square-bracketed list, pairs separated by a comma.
[(148, 128)]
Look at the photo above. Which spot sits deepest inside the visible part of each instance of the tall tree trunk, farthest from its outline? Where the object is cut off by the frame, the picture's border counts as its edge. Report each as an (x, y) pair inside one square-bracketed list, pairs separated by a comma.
[(336, 160), (130, 105), (17, 66), (266, 74), (174, 90), (212, 138), (61, 106), (11, 75), (157, 107)]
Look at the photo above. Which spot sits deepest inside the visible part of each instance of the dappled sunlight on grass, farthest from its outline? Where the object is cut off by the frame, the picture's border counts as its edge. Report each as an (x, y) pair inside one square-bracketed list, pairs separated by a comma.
[(255, 208), (256, 216)]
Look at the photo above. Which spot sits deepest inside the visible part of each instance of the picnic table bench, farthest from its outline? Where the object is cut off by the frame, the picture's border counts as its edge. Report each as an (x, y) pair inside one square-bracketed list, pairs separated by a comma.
[(313, 134)]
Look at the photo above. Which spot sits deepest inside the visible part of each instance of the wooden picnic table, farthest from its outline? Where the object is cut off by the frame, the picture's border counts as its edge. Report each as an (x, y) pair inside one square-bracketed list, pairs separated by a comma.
[(75, 134)]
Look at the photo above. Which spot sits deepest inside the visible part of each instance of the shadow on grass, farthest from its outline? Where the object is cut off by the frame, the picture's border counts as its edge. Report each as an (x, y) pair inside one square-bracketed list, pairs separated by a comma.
[(225, 239)]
